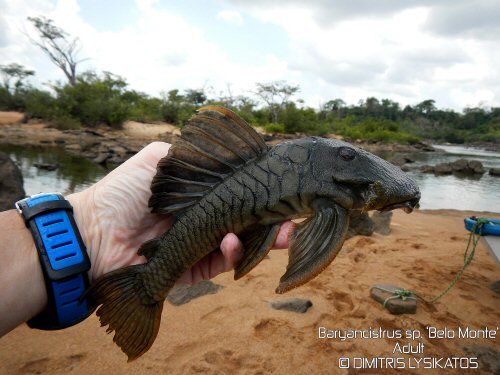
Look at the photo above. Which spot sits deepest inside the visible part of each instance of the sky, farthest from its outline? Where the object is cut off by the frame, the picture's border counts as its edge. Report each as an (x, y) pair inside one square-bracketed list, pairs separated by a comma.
[(407, 51)]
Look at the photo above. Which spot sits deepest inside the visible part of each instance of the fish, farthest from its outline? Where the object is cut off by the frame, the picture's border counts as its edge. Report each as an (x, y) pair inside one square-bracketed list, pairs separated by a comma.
[(221, 177)]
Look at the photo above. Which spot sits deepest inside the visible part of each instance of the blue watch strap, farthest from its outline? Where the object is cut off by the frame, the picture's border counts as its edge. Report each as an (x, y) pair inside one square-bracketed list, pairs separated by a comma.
[(63, 257)]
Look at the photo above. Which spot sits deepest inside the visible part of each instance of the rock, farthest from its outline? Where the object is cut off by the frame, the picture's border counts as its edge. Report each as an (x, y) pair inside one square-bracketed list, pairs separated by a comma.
[(181, 294), (460, 166), (476, 167), (467, 166), (383, 292), (101, 158), (495, 172), (382, 222), (297, 305), (115, 159), (405, 168), (495, 287), (424, 147), (400, 160), (489, 358), (359, 224), (11, 183), (427, 169), (442, 169), (46, 166), (73, 147)]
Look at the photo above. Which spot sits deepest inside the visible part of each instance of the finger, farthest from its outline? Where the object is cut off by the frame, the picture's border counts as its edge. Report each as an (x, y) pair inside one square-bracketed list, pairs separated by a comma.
[(284, 235), (232, 249), (153, 152)]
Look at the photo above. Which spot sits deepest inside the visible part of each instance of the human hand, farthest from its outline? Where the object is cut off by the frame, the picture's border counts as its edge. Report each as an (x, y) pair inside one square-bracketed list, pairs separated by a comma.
[(114, 220)]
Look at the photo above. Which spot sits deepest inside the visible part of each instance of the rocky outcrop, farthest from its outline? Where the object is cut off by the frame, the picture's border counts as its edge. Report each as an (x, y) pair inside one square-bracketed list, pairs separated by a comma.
[(460, 166), (11, 183), (495, 172), (382, 222), (359, 224)]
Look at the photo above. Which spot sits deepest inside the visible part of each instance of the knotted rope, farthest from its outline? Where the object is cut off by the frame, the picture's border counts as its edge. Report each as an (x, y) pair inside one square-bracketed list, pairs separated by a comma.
[(475, 235)]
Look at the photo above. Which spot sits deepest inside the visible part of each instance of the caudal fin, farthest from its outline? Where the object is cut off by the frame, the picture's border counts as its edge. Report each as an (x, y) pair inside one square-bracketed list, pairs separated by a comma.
[(126, 310)]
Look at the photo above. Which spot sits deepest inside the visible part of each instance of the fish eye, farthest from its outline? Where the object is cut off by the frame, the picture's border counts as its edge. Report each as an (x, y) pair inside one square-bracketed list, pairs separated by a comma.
[(347, 153)]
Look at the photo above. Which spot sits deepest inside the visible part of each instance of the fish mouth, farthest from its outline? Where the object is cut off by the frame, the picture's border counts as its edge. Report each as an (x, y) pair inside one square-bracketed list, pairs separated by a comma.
[(367, 196), (407, 206)]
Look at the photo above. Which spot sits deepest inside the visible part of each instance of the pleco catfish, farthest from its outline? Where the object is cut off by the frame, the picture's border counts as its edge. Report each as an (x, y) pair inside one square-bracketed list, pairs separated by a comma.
[(221, 177)]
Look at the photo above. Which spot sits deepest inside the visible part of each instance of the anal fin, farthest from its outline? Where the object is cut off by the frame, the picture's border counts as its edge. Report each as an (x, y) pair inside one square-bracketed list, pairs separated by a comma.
[(315, 244), (256, 246), (149, 248)]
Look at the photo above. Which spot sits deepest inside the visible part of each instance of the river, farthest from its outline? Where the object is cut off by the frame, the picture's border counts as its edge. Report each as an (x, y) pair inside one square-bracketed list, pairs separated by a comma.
[(438, 192)]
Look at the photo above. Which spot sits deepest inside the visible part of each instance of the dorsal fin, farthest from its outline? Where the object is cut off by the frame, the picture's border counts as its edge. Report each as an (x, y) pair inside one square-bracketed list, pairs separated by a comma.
[(214, 144)]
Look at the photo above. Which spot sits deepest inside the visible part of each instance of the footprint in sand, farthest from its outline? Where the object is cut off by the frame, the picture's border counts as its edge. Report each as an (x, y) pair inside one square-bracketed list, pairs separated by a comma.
[(37, 366), (48, 365), (225, 361), (341, 301), (270, 327), (364, 241)]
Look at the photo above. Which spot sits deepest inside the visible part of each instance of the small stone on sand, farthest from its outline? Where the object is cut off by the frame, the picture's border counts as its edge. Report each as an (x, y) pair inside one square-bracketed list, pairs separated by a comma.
[(181, 294), (297, 305)]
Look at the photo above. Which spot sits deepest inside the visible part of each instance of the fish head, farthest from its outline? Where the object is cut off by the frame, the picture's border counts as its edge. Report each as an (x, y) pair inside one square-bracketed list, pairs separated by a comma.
[(368, 181)]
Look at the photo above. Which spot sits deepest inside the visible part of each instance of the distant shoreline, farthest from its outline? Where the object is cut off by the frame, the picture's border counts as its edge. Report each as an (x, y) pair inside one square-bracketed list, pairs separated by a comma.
[(117, 145)]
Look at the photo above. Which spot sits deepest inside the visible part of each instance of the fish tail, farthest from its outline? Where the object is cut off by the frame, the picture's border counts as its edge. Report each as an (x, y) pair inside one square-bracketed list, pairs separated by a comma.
[(125, 307)]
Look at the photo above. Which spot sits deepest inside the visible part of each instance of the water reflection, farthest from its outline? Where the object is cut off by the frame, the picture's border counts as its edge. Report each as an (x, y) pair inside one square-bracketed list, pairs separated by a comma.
[(73, 173)]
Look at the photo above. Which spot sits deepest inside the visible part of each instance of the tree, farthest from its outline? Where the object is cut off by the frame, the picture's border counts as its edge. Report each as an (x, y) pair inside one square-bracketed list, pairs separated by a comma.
[(196, 97), (426, 107), (14, 71), (58, 45), (276, 94)]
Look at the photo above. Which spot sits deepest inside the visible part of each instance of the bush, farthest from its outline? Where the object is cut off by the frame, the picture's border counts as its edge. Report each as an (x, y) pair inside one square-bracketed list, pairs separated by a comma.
[(94, 100), (373, 129), (40, 104), (274, 128), (64, 123)]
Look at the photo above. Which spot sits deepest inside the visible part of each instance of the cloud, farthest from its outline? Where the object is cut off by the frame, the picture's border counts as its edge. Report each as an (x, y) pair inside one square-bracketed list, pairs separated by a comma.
[(231, 16), (466, 19), (407, 51)]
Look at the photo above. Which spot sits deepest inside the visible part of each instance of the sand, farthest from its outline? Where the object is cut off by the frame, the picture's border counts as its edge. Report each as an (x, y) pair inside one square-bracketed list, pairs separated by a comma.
[(236, 332)]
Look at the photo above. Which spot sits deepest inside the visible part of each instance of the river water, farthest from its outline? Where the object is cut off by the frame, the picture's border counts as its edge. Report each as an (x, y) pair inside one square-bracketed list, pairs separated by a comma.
[(451, 192), (479, 193), (73, 173)]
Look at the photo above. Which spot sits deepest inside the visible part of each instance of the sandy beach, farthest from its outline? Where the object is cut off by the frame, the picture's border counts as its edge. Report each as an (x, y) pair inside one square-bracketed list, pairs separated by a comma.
[(235, 331)]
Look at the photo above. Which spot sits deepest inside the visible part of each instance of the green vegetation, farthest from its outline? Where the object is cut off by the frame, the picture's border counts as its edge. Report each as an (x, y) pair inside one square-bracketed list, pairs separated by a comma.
[(95, 100), (104, 99), (91, 99)]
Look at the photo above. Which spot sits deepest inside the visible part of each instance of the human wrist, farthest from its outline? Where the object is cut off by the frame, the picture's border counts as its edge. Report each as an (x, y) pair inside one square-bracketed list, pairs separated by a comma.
[(20, 267), (86, 220)]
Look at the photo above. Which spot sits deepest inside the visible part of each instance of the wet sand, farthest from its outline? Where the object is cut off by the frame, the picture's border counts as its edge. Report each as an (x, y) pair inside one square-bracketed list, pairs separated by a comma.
[(236, 332)]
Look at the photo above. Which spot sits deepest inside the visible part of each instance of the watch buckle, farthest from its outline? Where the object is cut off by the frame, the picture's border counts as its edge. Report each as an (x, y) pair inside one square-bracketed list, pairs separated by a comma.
[(19, 203)]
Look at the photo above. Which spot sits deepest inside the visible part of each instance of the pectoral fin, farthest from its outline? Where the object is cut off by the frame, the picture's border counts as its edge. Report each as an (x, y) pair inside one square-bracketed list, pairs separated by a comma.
[(256, 245), (314, 245)]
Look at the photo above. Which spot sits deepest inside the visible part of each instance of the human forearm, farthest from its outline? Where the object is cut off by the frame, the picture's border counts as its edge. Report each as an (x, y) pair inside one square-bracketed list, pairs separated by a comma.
[(21, 279)]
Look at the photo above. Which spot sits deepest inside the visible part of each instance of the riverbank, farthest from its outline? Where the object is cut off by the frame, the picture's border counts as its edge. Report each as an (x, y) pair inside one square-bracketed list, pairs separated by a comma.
[(235, 330), (112, 146), (102, 146)]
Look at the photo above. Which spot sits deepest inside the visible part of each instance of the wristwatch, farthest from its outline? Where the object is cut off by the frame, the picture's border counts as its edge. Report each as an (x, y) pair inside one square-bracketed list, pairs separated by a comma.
[(63, 257)]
